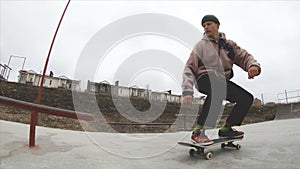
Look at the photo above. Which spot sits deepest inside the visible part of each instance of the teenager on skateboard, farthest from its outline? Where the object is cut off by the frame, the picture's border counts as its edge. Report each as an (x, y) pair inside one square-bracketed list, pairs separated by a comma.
[(209, 67)]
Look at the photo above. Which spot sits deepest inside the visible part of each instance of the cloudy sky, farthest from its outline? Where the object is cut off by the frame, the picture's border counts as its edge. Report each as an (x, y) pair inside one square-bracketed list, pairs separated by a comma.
[(268, 30)]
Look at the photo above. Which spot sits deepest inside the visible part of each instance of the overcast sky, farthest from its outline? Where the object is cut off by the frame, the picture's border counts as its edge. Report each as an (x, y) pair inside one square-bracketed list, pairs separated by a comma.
[(268, 30)]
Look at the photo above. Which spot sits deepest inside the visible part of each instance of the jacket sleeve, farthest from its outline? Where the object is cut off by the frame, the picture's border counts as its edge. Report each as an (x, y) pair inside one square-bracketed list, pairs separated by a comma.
[(189, 73), (242, 58)]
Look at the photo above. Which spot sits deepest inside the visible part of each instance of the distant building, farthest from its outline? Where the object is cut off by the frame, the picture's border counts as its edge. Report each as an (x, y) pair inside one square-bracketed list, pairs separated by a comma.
[(50, 81), (135, 91), (166, 96), (4, 71), (158, 96), (174, 98), (103, 86), (122, 91), (106, 87), (199, 100)]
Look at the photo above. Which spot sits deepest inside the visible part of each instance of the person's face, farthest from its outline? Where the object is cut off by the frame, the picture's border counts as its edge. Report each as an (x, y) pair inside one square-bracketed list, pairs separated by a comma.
[(211, 29)]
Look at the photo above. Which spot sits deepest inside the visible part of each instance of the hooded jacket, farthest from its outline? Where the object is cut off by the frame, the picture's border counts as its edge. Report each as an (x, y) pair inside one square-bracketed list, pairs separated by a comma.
[(208, 56)]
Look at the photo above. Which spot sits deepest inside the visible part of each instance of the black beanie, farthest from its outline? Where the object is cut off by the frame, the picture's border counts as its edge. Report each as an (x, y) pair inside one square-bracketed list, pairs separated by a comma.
[(210, 18)]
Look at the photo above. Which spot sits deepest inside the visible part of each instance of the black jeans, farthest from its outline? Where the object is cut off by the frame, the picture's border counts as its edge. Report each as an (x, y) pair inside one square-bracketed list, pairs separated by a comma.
[(218, 90)]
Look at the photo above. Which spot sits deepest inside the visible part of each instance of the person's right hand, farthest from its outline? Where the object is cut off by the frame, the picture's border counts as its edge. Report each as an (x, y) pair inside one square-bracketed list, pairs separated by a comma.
[(187, 100), (252, 72)]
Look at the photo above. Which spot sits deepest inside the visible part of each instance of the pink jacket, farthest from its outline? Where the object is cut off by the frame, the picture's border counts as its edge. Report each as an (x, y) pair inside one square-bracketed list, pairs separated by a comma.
[(208, 57)]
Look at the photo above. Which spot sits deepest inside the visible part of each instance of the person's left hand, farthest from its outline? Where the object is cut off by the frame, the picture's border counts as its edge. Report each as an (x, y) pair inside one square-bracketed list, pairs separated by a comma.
[(252, 72)]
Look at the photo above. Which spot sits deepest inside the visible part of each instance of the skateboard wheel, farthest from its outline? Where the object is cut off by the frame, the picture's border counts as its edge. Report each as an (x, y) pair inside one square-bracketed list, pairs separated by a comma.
[(208, 155), (238, 146), (192, 152), (223, 145)]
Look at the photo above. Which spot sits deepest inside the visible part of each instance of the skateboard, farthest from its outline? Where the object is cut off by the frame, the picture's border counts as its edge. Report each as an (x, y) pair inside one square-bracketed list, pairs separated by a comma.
[(200, 149)]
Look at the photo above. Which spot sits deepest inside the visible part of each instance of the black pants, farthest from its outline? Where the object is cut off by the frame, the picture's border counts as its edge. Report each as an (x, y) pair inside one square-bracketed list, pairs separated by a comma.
[(218, 90)]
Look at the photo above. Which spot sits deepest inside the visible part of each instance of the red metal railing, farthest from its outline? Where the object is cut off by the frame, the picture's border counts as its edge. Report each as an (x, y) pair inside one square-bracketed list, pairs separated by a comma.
[(45, 109)]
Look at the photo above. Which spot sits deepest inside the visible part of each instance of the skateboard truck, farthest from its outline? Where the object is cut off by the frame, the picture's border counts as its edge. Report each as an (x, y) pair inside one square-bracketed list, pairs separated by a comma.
[(200, 149), (230, 144)]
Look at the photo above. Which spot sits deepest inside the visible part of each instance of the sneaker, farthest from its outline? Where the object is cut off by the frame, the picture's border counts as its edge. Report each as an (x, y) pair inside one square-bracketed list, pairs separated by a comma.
[(231, 133), (199, 137)]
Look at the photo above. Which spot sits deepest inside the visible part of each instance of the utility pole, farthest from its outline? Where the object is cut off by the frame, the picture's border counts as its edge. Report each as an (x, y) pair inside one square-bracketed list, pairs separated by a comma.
[(286, 97)]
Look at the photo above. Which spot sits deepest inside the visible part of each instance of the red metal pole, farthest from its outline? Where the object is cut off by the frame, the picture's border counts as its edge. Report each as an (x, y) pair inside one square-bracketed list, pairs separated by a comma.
[(34, 114)]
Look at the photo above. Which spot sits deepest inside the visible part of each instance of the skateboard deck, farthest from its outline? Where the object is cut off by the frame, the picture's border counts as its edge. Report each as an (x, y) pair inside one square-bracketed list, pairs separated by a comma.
[(200, 149)]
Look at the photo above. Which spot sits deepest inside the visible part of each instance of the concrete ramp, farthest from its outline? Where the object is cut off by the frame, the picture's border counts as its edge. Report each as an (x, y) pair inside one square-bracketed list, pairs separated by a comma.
[(274, 144)]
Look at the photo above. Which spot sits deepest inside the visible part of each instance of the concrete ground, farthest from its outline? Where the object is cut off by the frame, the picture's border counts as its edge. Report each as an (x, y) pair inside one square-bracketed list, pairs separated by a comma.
[(274, 144)]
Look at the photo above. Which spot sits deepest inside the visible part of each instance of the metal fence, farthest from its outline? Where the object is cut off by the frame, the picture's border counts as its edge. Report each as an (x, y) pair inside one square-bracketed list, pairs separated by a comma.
[(289, 96)]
